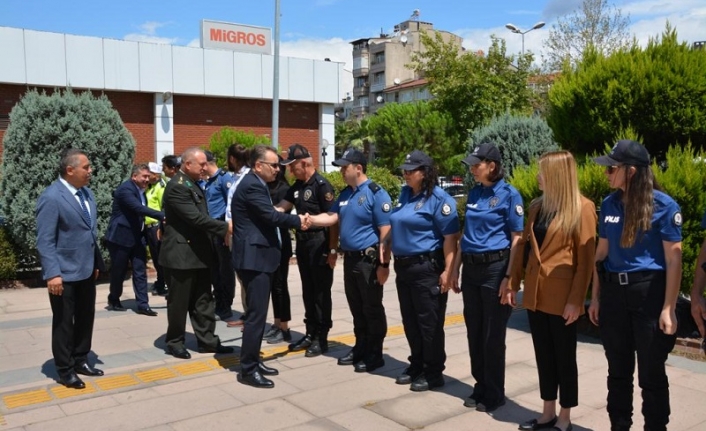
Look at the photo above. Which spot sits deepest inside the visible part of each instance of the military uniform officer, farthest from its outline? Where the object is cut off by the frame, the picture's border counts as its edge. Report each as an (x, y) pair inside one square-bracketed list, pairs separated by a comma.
[(187, 255), (223, 275), (363, 209), (316, 249)]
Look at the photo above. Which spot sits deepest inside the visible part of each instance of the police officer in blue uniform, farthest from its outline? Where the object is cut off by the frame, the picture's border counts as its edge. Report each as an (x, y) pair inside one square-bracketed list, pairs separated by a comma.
[(423, 239), (493, 225), (363, 210), (636, 284), (216, 191), (316, 249)]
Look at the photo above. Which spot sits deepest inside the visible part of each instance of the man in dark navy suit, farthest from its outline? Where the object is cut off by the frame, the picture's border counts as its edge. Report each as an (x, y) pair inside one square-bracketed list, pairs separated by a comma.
[(126, 240), (67, 242), (256, 256)]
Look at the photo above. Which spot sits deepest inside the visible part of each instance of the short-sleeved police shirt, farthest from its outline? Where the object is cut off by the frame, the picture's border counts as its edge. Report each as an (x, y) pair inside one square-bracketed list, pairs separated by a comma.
[(216, 191), (492, 214), (361, 212), (314, 196), (420, 222), (647, 254)]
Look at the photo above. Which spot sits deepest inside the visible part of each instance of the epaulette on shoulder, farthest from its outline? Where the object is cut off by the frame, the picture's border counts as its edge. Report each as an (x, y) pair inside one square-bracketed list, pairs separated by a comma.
[(374, 187), (222, 172)]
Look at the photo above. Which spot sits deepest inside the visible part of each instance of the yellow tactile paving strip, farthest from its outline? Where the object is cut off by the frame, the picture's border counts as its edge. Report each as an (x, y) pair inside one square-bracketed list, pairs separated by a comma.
[(108, 383)]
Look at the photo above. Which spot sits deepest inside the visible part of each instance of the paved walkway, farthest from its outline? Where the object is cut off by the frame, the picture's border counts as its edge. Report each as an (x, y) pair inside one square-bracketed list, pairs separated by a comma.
[(145, 389)]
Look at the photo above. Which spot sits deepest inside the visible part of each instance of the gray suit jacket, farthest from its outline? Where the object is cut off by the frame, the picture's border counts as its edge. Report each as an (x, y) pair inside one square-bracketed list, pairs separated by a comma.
[(67, 245)]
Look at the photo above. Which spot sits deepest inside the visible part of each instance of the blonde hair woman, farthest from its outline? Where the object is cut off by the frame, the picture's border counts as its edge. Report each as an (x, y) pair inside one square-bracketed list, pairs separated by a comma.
[(561, 238)]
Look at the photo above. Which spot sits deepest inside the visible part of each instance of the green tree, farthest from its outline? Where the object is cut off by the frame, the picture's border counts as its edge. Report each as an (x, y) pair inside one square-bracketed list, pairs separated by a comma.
[(219, 142), (658, 91), (473, 88), (521, 139), (594, 24), (354, 134), (399, 128), (40, 127)]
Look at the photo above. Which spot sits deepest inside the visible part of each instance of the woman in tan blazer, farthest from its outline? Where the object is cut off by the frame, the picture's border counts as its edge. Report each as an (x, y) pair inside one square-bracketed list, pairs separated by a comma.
[(561, 238)]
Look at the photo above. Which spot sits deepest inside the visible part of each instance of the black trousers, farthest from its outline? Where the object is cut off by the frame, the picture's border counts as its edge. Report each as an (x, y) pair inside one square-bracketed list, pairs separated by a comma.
[(119, 258), (190, 292), (317, 279), (486, 326), (555, 353), (364, 295), (629, 323), (423, 310), (281, 302), (73, 314), (223, 276), (257, 285), (154, 244)]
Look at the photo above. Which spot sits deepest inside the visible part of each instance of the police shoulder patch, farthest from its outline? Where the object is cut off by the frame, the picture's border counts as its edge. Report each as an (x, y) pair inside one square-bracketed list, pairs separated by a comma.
[(386, 207), (229, 184), (446, 209), (677, 219), (519, 210), (328, 196)]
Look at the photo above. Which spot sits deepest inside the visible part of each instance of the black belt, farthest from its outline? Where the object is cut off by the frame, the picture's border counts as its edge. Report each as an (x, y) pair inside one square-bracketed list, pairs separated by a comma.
[(302, 235), (369, 252), (487, 257), (405, 261), (625, 278)]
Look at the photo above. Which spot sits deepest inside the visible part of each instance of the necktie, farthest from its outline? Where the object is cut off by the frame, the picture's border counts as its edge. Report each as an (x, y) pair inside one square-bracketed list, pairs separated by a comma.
[(81, 200)]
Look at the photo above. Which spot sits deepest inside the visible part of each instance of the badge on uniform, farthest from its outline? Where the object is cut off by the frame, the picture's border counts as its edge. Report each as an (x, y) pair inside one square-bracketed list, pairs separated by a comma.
[(228, 185), (676, 219), (446, 209), (188, 184), (419, 205), (296, 194), (361, 200), (519, 210), (386, 207), (181, 180), (328, 196), (494, 201), (307, 194)]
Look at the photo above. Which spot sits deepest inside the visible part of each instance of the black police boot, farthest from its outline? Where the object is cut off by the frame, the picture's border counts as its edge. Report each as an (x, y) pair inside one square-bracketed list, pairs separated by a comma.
[(318, 345), (302, 344)]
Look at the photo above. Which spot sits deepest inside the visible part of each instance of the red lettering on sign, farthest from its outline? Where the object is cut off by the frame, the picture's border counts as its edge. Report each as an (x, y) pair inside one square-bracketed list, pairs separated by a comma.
[(239, 37)]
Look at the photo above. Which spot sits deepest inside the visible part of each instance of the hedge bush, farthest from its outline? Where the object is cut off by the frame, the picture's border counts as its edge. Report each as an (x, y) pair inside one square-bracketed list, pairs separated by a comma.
[(8, 260), (220, 141)]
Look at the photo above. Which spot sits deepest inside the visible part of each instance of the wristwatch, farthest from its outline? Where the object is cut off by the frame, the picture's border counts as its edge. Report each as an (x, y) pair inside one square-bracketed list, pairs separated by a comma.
[(333, 251)]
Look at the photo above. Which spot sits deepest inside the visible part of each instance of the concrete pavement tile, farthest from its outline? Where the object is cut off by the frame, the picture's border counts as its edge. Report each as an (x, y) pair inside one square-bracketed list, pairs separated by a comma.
[(147, 413), (520, 378), (131, 395), (472, 420), (4, 351), (687, 380), (592, 388), (28, 359), (29, 345), (43, 333), (327, 373), (265, 416), (89, 404), (17, 336), (32, 416), (249, 395), (321, 424), (686, 405), (699, 427), (165, 427), (193, 383), (363, 419), (326, 401)]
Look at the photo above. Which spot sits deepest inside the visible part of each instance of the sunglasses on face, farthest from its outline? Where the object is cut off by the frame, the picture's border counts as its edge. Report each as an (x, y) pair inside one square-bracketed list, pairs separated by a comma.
[(273, 165), (612, 169)]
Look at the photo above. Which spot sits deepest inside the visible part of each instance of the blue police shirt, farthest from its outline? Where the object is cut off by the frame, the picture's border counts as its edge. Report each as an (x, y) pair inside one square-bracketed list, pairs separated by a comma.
[(216, 191), (647, 254), (492, 214), (361, 212), (419, 223)]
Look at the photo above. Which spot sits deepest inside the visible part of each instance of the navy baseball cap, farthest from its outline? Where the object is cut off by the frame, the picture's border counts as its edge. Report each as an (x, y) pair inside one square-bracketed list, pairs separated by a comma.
[(625, 152), (296, 152), (349, 156), (415, 160), (486, 151)]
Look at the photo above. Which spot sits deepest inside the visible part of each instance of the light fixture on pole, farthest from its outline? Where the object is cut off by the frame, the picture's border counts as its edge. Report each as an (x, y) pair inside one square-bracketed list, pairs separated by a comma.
[(324, 145), (513, 28)]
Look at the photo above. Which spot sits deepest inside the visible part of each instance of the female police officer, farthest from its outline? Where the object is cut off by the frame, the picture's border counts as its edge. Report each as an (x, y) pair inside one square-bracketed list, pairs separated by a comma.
[(423, 234), (635, 285), (492, 228)]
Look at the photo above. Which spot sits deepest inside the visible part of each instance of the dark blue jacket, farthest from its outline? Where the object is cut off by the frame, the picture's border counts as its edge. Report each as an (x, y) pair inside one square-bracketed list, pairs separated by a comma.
[(128, 216)]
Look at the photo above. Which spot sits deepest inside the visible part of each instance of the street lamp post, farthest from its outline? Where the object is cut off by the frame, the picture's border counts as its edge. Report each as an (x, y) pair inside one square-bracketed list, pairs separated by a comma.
[(513, 28), (324, 145)]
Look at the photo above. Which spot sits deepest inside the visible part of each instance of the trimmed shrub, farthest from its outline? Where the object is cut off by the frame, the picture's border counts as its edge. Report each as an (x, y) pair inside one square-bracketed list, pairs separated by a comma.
[(8, 261), (41, 126), (520, 139), (220, 141)]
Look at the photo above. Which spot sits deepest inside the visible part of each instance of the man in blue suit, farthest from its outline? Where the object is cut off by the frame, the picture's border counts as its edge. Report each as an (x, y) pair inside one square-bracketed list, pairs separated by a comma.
[(67, 242), (126, 240), (256, 256)]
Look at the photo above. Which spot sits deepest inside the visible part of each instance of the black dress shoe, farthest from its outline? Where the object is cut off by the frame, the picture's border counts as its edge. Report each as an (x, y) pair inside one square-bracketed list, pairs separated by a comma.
[(407, 377), (71, 380), (368, 366), (116, 306), (471, 402), (317, 348), (88, 370), (350, 359), (487, 408), (302, 344), (178, 352), (267, 371), (256, 380), (218, 349), (533, 424), (146, 312), (424, 383)]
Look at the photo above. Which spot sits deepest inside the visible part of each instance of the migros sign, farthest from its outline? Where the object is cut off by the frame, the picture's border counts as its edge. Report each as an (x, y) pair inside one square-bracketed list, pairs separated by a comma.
[(235, 37)]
